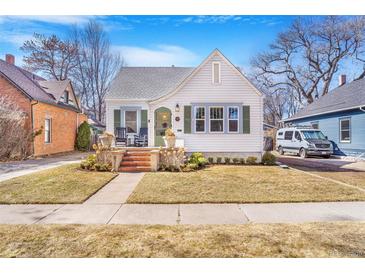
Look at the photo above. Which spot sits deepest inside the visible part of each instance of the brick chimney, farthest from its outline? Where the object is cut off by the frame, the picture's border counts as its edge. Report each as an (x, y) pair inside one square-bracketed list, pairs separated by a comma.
[(342, 80), (10, 59)]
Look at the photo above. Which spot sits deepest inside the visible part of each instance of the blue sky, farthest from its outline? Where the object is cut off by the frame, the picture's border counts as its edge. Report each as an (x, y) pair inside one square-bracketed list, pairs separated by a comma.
[(158, 40)]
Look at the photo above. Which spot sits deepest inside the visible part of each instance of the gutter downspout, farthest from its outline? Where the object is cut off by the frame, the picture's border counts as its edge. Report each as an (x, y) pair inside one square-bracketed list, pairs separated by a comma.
[(32, 119)]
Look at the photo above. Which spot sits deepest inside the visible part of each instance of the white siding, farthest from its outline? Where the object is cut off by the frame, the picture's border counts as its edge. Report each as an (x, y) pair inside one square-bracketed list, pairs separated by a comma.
[(200, 89)]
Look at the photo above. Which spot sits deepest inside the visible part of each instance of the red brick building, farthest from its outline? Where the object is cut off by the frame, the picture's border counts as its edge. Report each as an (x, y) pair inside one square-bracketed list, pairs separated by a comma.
[(50, 105)]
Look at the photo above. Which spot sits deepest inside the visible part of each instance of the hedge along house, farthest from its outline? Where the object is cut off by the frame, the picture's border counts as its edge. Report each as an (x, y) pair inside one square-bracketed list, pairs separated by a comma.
[(340, 115), (48, 105), (212, 108)]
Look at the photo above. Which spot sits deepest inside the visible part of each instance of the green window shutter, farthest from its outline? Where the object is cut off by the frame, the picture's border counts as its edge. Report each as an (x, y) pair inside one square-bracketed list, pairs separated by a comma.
[(116, 119), (144, 118), (246, 120), (187, 119)]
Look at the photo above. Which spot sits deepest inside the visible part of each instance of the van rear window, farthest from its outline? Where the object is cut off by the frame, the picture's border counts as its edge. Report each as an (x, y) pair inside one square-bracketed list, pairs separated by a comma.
[(288, 135)]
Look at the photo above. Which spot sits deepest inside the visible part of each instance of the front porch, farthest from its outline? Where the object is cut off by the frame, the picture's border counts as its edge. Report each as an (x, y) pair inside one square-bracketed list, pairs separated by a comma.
[(140, 125)]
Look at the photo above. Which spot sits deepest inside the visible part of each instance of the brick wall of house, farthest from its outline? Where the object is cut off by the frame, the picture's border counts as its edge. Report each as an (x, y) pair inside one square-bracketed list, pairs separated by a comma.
[(23, 102), (9, 90), (64, 124)]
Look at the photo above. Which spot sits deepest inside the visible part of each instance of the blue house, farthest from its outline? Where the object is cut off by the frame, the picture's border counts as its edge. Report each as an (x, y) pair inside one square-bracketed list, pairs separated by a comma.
[(340, 115)]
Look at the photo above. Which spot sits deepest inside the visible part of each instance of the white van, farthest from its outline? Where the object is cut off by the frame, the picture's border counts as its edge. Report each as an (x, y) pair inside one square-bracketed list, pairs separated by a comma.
[(304, 141)]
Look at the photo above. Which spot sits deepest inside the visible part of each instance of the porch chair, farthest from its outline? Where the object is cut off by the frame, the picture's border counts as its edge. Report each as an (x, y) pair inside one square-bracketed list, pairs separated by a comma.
[(120, 136), (141, 140)]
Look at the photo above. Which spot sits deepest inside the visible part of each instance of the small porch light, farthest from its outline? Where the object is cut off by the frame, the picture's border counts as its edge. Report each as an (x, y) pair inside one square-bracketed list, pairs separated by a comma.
[(177, 108)]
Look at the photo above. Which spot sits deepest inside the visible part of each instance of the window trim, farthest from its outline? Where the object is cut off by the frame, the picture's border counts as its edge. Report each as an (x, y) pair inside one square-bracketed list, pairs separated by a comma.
[(195, 119), (340, 130), (49, 131), (125, 121), (219, 73), (209, 119), (238, 119)]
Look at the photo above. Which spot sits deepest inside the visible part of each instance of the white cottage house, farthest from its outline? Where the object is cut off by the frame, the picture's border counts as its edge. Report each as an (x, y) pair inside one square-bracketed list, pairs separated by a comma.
[(212, 108)]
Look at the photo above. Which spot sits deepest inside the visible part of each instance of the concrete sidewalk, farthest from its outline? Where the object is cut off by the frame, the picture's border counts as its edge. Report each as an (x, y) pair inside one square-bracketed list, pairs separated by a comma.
[(170, 214), (14, 169)]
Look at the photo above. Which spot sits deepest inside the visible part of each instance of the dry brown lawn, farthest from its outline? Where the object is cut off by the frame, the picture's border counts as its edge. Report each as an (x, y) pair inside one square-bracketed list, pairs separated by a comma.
[(65, 184), (240, 184), (356, 178), (345, 239)]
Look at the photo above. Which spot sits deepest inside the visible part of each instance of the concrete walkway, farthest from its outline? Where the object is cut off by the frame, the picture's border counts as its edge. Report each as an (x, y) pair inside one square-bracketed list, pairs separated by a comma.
[(94, 213), (117, 191), (14, 169)]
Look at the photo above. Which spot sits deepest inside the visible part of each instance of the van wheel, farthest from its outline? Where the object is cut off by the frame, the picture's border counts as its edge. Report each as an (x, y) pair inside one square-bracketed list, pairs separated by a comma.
[(303, 153), (281, 151)]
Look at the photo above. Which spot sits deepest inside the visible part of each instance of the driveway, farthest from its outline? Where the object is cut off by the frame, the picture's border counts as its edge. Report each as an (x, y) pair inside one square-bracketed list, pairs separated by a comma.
[(321, 164), (13, 169)]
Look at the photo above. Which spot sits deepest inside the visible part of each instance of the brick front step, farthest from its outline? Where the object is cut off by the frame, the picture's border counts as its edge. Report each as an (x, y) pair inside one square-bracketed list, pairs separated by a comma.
[(136, 163), (136, 158), (137, 154), (134, 169)]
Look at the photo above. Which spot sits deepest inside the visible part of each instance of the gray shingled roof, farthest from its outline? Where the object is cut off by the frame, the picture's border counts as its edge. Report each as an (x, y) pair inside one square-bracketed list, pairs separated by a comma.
[(147, 83), (56, 88), (348, 96), (25, 82), (35, 86)]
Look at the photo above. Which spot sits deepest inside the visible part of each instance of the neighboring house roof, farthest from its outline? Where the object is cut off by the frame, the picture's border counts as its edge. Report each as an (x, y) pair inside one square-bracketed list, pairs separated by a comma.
[(268, 126), (348, 96), (55, 88), (34, 86), (147, 83)]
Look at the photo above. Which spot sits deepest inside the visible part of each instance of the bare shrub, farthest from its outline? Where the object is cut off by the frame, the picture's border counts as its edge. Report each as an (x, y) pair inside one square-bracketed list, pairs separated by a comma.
[(16, 136)]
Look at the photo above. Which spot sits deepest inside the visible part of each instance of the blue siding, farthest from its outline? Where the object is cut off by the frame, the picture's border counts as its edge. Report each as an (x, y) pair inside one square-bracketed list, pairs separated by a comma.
[(329, 124)]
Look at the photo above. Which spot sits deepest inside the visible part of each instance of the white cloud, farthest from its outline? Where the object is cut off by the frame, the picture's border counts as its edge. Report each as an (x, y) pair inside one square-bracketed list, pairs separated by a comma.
[(63, 19), (211, 19), (162, 55)]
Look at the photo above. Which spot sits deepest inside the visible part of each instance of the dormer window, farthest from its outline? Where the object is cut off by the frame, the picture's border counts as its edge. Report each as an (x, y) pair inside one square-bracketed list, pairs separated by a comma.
[(65, 97), (216, 73)]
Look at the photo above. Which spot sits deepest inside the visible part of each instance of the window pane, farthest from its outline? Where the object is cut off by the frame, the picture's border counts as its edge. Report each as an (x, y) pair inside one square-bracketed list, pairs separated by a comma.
[(47, 131), (216, 113), (345, 124), (233, 125), (345, 135), (200, 113), (200, 126), (288, 135), (131, 121), (65, 96), (233, 113), (297, 136), (216, 125), (46, 126)]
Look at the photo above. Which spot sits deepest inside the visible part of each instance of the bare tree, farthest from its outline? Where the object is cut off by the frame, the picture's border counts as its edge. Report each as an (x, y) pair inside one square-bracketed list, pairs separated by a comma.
[(96, 66), (50, 55), (16, 133), (306, 57)]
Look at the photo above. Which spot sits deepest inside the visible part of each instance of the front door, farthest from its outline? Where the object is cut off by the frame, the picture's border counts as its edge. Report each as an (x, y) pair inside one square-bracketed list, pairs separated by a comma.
[(162, 122)]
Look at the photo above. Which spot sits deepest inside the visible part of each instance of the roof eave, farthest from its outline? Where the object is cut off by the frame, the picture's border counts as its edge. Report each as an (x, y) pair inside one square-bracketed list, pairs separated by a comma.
[(321, 113)]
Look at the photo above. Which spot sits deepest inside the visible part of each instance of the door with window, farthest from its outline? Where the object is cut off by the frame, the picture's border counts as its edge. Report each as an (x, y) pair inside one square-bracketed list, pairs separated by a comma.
[(162, 122), (131, 121)]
